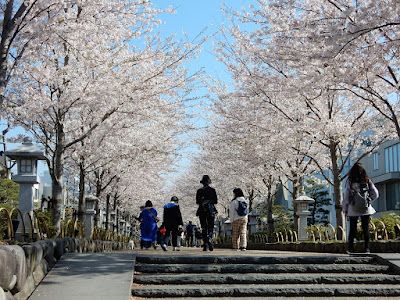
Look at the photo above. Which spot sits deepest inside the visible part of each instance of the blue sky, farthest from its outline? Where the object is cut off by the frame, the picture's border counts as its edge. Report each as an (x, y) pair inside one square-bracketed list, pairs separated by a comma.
[(193, 17)]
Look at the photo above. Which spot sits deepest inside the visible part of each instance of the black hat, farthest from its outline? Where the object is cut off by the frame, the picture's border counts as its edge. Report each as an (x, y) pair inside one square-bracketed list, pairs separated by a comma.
[(174, 199), (206, 179)]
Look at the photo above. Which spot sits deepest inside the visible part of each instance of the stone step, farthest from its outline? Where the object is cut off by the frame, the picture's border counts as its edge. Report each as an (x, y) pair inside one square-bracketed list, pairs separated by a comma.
[(268, 268), (242, 259), (278, 298), (257, 290), (252, 278)]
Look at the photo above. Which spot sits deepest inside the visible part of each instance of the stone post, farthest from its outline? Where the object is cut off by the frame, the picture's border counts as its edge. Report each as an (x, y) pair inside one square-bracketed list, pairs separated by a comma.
[(90, 201)]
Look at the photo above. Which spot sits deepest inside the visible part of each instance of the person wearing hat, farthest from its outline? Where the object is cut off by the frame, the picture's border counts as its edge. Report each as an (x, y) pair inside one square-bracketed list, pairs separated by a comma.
[(172, 221), (206, 198)]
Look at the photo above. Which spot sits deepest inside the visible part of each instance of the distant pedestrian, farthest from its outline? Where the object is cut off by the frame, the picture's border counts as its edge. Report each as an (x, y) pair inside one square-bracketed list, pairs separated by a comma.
[(172, 221), (190, 234), (197, 234), (206, 198), (238, 221), (131, 244), (148, 230), (358, 182), (162, 232)]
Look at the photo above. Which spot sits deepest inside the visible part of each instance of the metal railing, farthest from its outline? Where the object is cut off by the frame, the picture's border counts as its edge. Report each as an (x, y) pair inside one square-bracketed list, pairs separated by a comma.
[(36, 231), (31, 223)]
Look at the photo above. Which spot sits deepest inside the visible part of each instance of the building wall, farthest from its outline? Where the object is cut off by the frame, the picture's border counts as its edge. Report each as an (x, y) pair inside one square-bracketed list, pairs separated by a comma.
[(383, 167)]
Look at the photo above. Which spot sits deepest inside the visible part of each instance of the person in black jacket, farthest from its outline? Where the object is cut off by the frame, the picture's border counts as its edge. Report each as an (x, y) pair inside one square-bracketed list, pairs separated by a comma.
[(172, 220), (205, 195)]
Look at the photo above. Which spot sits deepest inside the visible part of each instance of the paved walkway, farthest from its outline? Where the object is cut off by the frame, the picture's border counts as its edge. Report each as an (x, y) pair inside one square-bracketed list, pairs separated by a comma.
[(88, 276), (101, 276)]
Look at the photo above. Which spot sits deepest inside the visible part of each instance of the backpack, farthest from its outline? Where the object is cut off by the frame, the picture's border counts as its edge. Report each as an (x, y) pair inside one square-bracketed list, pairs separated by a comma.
[(209, 208), (360, 200), (242, 209)]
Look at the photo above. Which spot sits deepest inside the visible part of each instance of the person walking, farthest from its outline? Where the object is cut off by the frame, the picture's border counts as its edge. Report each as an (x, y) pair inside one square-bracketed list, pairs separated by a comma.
[(239, 219), (140, 226), (206, 198), (148, 230), (190, 234), (172, 221), (162, 232), (197, 234), (358, 182)]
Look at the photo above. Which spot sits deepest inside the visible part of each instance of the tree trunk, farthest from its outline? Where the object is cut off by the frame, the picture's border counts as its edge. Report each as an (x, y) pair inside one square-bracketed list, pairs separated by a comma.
[(58, 167), (271, 226), (82, 202), (116, 220), (107, 210), (7, 171), (296, 193), (99, 184), (6, 34), (337, 188)]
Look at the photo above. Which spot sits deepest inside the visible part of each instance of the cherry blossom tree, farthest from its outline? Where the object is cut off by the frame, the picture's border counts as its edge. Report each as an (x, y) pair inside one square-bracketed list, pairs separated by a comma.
[(21, 27), (92, 69), (271, 64), (352, 42)]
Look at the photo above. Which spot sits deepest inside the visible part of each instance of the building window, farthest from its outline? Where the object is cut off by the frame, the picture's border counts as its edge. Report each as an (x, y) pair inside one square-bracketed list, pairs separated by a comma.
[(376, 162), (393, 196), (26, 166), (392, 159)]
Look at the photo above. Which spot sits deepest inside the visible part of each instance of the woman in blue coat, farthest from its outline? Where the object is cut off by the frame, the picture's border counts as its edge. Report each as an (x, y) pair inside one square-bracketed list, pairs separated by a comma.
[(148, 230)]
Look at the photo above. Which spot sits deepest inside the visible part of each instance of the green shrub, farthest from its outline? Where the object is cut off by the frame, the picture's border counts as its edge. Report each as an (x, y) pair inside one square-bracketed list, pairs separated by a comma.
[(45, 224), (390, 220), (317, 230)]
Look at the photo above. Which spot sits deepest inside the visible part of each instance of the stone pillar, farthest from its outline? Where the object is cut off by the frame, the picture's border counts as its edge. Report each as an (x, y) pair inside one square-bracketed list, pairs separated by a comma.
[(90, 214), (25, 205)]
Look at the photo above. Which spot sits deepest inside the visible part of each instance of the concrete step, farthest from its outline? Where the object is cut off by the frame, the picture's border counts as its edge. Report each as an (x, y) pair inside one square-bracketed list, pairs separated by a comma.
[(277, 298), (251, 278), (268, 268), (242, 259), (257, 290), (263, 277)]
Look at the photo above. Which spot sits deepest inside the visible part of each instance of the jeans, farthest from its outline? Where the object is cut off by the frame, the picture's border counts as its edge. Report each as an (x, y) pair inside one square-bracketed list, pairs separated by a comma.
[(207, 227), (174, 233), (190, 240)]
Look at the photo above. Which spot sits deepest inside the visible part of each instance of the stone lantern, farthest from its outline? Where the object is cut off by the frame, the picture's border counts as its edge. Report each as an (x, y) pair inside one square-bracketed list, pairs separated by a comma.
[(90, 201), (26, 155), (302, 211), (252, 224)]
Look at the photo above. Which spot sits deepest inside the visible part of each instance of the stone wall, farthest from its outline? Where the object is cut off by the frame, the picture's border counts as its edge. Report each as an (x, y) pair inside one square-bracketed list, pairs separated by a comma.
[(23, 266)]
